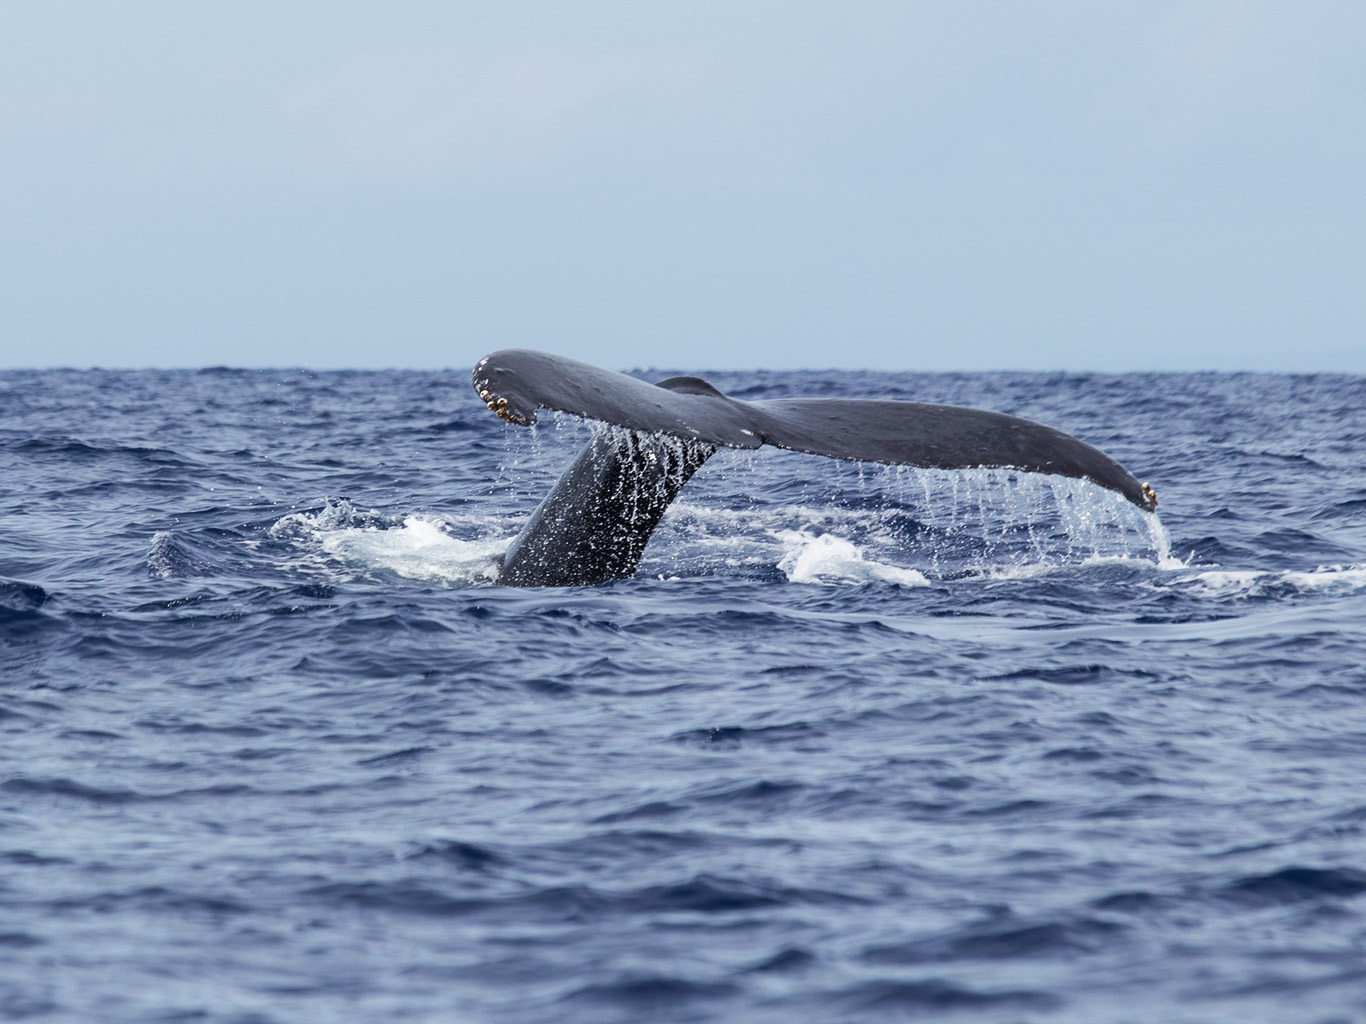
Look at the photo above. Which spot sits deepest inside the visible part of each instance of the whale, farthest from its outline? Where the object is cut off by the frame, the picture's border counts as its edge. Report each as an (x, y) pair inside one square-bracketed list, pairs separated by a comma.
[(594, 524)]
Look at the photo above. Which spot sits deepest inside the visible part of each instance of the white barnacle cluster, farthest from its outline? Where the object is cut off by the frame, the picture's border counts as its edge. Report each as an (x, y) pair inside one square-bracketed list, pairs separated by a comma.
[(495, 402)]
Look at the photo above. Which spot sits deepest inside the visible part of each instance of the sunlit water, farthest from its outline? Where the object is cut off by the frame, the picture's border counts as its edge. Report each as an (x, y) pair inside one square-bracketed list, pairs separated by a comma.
[(856, 743)]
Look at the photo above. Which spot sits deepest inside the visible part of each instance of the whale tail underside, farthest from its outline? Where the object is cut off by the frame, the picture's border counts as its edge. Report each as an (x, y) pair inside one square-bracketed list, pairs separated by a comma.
[(594, 524)]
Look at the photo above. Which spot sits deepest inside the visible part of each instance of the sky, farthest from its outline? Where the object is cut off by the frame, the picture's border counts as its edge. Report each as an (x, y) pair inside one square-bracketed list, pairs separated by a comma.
[(958, 185)]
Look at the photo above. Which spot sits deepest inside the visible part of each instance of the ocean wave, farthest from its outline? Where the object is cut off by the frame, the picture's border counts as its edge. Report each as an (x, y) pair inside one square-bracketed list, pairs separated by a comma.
[(1259, 583)]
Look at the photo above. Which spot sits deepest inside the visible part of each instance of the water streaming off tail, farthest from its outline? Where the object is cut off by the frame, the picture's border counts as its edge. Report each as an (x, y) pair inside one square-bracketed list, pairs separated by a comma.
[(892, 519)]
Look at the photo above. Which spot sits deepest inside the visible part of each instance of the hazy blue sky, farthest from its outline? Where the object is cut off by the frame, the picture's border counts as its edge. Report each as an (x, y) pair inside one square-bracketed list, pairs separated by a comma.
[(955, 185)]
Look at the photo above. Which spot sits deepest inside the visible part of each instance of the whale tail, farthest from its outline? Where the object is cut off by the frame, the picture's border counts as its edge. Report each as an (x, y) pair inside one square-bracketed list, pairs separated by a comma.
[(594, 524)]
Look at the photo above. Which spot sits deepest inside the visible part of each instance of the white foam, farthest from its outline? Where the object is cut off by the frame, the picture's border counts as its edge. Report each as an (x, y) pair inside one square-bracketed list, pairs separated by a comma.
[(419, 549), (1255, 583), (824, 558)]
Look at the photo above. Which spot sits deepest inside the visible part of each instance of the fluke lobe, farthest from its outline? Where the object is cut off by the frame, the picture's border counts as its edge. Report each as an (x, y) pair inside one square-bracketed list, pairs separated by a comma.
[(593, 525)]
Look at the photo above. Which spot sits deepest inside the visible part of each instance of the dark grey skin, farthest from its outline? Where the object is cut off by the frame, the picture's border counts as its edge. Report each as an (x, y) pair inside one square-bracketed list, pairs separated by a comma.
[(594, 524)]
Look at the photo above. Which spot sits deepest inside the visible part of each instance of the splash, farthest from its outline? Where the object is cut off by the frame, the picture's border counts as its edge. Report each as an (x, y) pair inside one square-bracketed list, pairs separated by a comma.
[(418, 550), (823, 558), (417, 547)]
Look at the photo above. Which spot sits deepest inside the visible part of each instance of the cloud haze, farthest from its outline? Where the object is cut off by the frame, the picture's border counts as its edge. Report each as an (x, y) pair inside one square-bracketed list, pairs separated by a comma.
[(901, 185)]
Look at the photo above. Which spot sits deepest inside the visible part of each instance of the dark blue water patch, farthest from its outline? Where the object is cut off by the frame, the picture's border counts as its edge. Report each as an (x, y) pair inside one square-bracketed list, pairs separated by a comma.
[(1072, 675), (21, 616), (468, 856), (69, 788), (17, 596), (1004, 940), (733, 736), (72, 450), (1303, 544), (1294, 884), (1214, 550), (1347, 509), (932, 995), (22, 1007), (602, 849), (1140, 902), (635, 993), (405, 756), (26, 858), (406, 897), (458, 426), (648, 811), (702, 895), (791, 959), (153, 899), (18, 940)]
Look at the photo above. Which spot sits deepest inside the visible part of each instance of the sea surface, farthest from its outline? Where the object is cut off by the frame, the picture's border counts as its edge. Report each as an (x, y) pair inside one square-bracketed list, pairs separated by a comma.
[(857, 743)]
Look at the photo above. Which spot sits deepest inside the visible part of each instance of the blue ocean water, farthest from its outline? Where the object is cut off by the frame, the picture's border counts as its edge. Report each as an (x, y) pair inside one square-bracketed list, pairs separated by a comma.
[(857, 742)]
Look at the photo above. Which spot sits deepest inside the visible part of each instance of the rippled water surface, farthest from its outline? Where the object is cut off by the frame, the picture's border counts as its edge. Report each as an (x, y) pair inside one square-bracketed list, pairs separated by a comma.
[(857, 743)]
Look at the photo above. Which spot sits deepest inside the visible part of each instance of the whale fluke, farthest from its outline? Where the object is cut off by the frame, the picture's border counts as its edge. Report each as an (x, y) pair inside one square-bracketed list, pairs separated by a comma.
[(594, 524)]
